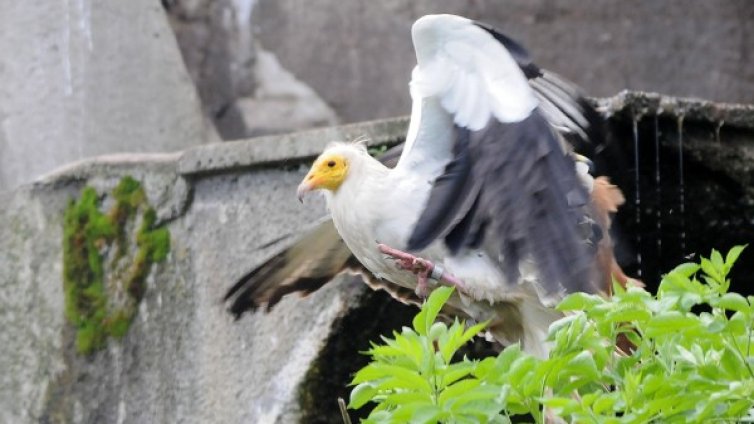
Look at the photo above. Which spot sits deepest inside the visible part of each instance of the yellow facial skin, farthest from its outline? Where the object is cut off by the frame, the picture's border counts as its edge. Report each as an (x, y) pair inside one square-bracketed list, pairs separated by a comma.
[(327, 172)]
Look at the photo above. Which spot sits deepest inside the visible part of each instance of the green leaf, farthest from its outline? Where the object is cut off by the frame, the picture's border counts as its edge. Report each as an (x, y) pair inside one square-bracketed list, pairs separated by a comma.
[(738, 325), (605, 403), (360, 395), (583, 364), (677, 281), (711, 270), (399, 376), (415, 412), (450, 341), (386, 350), (407, 397), (686, 269), (717, 259), (734, 302), (426, 317), (504, 360), (457, 371), (670, 322), (521, 370), (456, 389), (731, 363), (733, 255), (689, 300), (438, 330), (426, 414), (561, 405), (478, 396), (686, 355), (628, 312), (560, 325), (579, 302), (483, 368), (459, 339)]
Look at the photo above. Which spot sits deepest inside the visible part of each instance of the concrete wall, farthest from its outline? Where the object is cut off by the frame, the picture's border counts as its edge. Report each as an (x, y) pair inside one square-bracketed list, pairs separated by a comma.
[(357, 55), (84, 78), (184, 359)]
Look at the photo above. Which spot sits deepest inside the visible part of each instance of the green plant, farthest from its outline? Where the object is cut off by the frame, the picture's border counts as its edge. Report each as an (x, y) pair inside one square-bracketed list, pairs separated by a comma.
[(106, 260), (685, 367), (376, 151)]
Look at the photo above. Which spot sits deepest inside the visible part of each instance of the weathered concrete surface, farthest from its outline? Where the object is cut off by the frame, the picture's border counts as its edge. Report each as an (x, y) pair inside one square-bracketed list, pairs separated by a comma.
[(83, 78), (287, 148), (217, 44), (281, 103), (357, 55), (185, 360), (244, 90)]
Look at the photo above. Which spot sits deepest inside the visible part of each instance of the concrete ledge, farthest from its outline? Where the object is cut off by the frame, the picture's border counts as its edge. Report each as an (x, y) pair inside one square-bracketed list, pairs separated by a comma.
[(81, 169), (643, 104), (286, 148)]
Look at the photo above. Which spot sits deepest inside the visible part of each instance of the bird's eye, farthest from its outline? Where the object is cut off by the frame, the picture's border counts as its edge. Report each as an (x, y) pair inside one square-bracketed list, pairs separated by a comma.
[(331, 163)]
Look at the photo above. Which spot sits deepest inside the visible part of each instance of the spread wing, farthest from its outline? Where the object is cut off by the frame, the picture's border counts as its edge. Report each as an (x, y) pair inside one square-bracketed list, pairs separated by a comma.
[(509, 185), (316, 257), (319, 255)]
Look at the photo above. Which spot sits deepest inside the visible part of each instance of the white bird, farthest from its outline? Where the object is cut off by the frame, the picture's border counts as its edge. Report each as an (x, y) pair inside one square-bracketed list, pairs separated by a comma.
[(486, 189)]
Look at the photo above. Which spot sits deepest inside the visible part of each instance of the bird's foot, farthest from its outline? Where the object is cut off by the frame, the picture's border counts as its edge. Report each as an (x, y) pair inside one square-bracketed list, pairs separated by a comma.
[(422, 268)]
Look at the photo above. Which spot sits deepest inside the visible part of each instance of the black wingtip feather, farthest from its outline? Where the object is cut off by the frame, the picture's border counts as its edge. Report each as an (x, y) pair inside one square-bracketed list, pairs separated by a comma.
[(519, 53), (522, 179), (447, 197), (468, 231), (244, 293)]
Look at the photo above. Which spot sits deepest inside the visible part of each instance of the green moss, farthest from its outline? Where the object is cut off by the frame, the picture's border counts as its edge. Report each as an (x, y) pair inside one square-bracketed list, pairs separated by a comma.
[(106, 260)]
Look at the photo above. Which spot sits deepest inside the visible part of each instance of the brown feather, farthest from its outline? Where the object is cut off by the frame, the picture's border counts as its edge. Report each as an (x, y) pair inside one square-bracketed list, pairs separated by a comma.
[(314, 259), (606, 198)]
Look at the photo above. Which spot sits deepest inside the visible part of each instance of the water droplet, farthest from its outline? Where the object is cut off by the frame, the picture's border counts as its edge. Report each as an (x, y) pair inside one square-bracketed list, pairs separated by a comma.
[(681, 185), (637, 189)]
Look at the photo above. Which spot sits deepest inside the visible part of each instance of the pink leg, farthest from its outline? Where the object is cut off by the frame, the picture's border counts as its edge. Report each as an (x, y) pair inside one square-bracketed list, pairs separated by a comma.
[(423, 269)]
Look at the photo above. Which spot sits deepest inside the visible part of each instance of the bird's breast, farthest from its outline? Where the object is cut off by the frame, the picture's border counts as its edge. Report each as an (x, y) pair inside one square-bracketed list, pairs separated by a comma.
[(385, 211)]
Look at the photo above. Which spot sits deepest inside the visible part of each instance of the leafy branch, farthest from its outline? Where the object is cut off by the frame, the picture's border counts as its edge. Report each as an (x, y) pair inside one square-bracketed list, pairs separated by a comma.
[(686, 366)]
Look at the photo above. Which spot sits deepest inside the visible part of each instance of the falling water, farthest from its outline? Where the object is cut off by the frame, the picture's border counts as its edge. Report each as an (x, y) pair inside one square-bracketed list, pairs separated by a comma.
[(681, 185), (717, 130), (637, 189), (658, 192)]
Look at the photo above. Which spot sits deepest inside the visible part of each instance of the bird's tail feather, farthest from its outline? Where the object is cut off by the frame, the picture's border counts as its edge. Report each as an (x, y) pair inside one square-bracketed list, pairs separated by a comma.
[(314, 259)]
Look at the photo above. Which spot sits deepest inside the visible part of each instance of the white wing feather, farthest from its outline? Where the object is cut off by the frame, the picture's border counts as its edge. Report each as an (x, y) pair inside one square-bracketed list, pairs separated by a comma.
[(463, 77), (469, 71)]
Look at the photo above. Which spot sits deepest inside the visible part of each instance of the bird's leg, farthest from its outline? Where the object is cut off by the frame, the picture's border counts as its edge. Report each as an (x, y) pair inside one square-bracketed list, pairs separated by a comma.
[(423, 268)]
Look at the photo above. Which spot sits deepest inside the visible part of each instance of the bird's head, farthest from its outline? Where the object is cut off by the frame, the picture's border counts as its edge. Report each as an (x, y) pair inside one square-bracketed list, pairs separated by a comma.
[(331, 168)]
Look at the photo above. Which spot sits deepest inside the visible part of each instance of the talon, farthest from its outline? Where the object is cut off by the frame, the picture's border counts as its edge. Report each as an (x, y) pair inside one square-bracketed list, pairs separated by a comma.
[(422, 268), (422, 289)]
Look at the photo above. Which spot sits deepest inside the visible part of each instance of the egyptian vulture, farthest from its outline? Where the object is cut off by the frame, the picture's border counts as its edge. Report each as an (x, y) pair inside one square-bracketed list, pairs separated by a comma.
[(487, 194)]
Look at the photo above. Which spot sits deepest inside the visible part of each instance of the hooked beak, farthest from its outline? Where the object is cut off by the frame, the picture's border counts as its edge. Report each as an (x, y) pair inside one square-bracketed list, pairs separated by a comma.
[(303, 188)]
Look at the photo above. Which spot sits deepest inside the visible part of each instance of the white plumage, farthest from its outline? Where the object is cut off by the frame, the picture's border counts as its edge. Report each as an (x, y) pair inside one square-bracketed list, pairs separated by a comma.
[(463, 77), (483, 162)]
